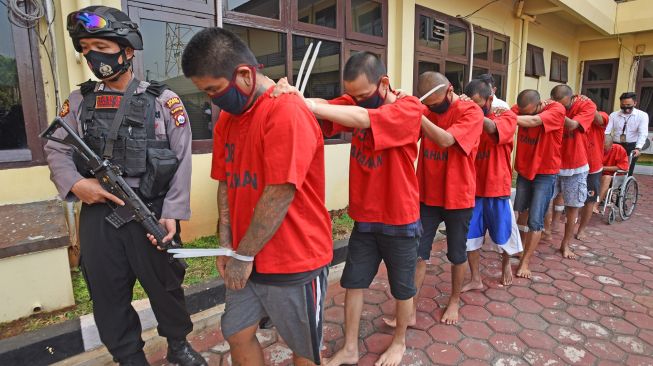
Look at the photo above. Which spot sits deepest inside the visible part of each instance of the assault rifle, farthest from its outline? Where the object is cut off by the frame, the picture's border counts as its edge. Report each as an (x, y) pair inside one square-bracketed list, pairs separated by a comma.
[(110, 177)]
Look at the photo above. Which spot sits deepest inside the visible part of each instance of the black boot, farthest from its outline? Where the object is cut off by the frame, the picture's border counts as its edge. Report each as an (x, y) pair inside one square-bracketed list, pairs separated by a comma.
[(181, 353), (137, 359)]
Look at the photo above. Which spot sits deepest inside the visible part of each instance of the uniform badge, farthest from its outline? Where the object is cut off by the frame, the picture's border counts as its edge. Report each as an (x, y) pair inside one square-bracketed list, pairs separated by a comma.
[(172, 101), (180, 119), (65, 109), (107, 101), (157, 114)]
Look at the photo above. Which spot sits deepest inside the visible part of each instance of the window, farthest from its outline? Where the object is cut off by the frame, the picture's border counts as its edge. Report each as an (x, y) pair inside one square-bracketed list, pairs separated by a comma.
[(443, 44), (599, 82), (281, 41), (559, 68), (534, 61), (644, 87), (21, 96), (277, 31)]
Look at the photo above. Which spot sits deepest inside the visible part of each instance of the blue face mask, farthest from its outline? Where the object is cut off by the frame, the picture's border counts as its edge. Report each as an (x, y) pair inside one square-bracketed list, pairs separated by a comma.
[(233, 100)]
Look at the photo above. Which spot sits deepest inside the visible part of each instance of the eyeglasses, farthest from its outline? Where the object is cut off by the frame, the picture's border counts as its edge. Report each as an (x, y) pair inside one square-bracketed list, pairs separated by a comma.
[(92, 23)]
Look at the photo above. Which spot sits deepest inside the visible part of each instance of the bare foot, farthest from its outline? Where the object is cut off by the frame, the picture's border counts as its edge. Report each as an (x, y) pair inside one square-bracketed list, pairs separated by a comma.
[(392, 323), (343, 357), (566, 252), (392, 356), (472, 285), (450, 315), (506, 279), (524, 272), (547, 235), (582, 236)]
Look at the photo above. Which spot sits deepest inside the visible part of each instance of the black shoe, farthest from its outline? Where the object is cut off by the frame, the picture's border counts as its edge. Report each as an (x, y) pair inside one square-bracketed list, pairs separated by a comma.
[(181, 353), (137, 359)]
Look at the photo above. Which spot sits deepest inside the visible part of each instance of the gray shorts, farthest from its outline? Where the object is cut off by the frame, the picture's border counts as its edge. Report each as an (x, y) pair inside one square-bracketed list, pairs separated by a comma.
[(296, 312), (573, 189)]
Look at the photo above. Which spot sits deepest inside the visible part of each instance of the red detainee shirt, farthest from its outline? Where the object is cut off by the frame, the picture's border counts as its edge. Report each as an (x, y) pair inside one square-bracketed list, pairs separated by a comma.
[(539, 148), (574, 142), (447, 176), (277, 141), (595, 139), (493, 160), (382, 182), (617, 156)]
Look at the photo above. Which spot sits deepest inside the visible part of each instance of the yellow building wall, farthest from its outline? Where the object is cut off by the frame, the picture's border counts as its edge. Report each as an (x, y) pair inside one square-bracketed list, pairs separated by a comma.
[(623, 48)]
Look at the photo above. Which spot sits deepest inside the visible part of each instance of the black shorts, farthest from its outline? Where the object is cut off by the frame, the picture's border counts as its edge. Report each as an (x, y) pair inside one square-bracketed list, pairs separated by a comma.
[(457, 222), (364, 254), (593, 187)]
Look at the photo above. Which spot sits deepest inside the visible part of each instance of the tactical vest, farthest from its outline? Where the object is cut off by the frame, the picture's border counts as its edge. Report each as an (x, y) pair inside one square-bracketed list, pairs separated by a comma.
[(136, 133)]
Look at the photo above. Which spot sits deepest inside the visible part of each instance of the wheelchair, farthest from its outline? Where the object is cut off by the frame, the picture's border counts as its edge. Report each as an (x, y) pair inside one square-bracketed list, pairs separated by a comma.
[(622, 196)]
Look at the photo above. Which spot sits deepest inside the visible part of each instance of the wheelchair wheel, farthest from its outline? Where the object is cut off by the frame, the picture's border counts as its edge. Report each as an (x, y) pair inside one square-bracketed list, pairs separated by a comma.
[(611, 217), (628, 199)]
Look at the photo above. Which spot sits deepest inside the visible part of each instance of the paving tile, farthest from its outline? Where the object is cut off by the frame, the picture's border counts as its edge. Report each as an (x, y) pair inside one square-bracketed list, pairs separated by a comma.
[(531, 321), (551, 302), (445, 333), (501, 309), (583, 313), (537, 339), (508, 343), (419, 339), (618, 325), (565, 335), (604, 350), (574, 355), (503, 325), (475, 348), (378, 342), (443, 354), (527, 305), (540, 357), (475, 329), (473, 312), (592, 330)]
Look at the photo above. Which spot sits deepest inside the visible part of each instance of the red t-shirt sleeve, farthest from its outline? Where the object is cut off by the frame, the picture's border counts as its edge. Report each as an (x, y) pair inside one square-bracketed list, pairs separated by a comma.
[(329, 128), (290, 139), (553, 117), (218, 171), (396, 124), (467, 128), (515, 109), (585, 114), (506, 126)]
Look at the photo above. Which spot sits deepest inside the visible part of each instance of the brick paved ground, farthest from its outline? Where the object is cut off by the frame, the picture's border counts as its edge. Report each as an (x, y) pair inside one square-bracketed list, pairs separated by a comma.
[(597, 310)]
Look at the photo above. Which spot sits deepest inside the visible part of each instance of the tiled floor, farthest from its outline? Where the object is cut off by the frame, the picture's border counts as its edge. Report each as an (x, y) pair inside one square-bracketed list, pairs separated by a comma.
[(597, 310)]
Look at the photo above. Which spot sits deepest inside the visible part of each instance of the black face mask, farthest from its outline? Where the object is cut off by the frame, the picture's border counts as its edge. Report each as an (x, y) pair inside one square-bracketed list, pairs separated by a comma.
[(486, 110), (442, 107), (627, 109), (107, 65), (373, 101)]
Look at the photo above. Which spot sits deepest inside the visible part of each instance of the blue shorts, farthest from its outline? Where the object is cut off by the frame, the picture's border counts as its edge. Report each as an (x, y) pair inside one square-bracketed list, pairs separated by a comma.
[(493, 215), (534, 196)]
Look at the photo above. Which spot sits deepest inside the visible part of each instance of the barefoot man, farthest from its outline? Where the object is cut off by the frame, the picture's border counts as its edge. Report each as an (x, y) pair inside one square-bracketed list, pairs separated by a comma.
[(571, 185), (537, 162), (447, 178), (595, 138), (383, 193), (492, 211)]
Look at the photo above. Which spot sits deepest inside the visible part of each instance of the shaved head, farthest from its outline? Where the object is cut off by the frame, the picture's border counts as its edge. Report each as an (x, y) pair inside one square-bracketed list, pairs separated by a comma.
[(527, 98), (561, 91), (431, 79)]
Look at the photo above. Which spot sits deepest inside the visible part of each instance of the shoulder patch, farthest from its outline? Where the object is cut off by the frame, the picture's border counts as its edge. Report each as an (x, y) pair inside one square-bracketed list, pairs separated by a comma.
[(180, 119), (172, 102), (65, 109)]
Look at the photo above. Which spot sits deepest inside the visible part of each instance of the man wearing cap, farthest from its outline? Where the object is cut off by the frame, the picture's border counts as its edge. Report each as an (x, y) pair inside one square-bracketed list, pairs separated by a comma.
[(132, 123)]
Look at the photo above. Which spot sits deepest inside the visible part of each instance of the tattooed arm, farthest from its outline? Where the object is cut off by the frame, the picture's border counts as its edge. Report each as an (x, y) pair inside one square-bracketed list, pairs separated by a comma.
[(224, 226), (269, 213)]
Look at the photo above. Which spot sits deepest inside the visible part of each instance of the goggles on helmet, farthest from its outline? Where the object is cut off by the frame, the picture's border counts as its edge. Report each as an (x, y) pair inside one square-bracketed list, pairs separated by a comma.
[(93, 23)]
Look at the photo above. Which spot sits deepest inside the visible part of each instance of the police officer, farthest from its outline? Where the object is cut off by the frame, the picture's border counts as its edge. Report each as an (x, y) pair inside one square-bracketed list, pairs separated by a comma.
[(152, 129)]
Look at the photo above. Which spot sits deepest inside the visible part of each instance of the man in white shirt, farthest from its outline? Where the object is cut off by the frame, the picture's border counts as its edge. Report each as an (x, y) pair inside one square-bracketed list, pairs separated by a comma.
[(629, 126), (496, 102)]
